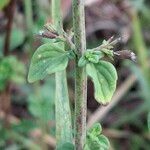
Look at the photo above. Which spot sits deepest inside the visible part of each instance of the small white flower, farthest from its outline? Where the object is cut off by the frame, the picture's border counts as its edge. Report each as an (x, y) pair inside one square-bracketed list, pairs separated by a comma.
[(133, 56)]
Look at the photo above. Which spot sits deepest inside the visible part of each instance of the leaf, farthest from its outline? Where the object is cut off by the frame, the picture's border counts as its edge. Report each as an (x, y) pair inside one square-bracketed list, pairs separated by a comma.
[(19, 72), (96, 129), (9, 71), (42, 105), (66, 146), (97, 143), (93, 56), (104, 77), (47, 59), (82, 61), (92, 143), (148, 121), (104, 142), (16, 39), (24, 126), (5, 72), (40, 108), (90, 56), (3, 3), (95, 140)]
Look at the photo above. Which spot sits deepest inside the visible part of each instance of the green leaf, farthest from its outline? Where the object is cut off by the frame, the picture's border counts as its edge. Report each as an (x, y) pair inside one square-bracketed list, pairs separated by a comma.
[(93, 56), (19, 72), (104, 142), (95, 140), (42, 105), (96, 129), (16, 39), (90, 56), (104, 77), (92, 143), (40, 108), (66, 146), (3, 3), (82, 61), (99, 142), (9, 71), (47, 59), (24, 126), (148, 121), (5, 72)]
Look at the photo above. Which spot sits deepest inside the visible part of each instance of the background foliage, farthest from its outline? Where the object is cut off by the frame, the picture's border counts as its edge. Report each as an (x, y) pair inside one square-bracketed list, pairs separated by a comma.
[(27, 119)]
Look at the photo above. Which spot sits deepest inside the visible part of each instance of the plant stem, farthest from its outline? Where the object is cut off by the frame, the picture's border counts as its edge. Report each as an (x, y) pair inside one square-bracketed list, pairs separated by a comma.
[(80, 75), (10, 16), (139, 44), (62, 107), (29, 16), (29, 23)]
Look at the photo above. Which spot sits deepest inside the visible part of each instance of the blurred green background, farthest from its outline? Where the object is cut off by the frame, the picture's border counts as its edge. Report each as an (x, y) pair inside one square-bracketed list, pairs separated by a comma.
[(27, 118)]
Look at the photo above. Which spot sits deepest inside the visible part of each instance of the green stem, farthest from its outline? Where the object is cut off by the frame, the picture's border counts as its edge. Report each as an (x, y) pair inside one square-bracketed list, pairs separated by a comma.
[(80, 78), (62, 107), (29, 15), (56, 15), (139, 44), (29, 23)]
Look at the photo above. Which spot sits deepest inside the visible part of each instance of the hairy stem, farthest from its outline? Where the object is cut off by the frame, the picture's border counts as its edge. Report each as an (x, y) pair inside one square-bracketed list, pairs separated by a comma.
[(80, 75), (62, 108)]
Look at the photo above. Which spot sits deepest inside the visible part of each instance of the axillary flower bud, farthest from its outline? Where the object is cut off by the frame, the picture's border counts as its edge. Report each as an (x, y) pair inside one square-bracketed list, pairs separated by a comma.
[(125, 54), (48, 32)]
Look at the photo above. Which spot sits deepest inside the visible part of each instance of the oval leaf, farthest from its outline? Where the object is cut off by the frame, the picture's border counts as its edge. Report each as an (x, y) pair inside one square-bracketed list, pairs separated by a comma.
[(104, 77), (47, 59)]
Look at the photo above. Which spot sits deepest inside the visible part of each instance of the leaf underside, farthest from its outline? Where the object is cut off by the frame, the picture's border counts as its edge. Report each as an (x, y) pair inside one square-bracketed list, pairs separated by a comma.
[(104, 77), (47, 59)]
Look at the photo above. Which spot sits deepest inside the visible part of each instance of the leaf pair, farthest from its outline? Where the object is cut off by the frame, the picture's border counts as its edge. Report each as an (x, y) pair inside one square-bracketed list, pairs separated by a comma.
[(51, 57), (47, 59)]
